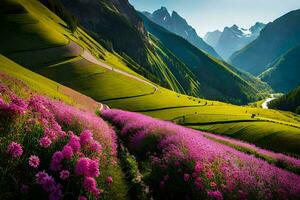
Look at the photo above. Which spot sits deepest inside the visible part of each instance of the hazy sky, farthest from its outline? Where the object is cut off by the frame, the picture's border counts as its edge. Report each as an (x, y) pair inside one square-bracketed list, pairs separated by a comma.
[(209, 15)]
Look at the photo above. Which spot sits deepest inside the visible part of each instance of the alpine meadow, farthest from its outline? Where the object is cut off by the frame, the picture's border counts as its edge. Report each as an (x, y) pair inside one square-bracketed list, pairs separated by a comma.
[(118, 99)]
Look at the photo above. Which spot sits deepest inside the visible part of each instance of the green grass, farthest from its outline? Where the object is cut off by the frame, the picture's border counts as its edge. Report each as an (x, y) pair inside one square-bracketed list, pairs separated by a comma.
[(276, 137), (33, 80)]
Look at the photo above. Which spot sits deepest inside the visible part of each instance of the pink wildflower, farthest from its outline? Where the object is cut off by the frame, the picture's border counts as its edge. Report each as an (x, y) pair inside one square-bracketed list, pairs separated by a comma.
[(213, 184), (15, 150), (96, 146), (198, 167), (82, 166), (86, 137), (67, 152), (94, 168), (75, 143), (90, 185), (186, 177), (45, 142), (109, 180), (34, 161), (215, 195), (64, 174), (40, 177), (82, 198), (55, 164)]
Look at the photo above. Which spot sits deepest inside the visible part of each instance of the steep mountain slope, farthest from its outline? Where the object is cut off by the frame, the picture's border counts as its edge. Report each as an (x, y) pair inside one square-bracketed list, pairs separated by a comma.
[(116, 25), (283, 75), (165, 64), (217, 80), (288, 102), (233, 38), (178, 25), (274, 40), (212, 38)]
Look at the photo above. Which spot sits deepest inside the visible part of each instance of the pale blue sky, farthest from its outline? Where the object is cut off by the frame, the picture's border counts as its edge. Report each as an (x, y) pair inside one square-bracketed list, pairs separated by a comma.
[(209, 15)]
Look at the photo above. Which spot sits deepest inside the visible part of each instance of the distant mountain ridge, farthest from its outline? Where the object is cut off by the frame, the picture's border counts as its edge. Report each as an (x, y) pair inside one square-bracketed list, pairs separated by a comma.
[(178, 25), (232, 39), (275, 39)]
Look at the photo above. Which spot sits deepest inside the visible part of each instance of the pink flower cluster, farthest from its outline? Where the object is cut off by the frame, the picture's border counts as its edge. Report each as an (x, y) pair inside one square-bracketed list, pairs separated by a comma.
[(290, 162), (78, 156), (49, 185), (206, 168), (15, 150), (17, 106)]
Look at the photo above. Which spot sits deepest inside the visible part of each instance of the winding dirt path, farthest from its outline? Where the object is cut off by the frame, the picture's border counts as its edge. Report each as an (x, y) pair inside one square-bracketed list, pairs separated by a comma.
[(88, 56)]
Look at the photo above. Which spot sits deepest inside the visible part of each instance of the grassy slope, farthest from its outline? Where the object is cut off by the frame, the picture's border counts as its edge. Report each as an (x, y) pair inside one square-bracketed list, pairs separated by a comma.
[(163, 104)]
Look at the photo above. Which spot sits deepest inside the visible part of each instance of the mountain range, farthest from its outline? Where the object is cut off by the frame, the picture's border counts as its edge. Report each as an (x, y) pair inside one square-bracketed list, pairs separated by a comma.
[(275, 40), (232, 38), (178, 25)]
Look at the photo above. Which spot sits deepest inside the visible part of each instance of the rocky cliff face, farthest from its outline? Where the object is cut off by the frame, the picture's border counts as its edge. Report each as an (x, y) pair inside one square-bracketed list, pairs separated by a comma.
[(178, 25)]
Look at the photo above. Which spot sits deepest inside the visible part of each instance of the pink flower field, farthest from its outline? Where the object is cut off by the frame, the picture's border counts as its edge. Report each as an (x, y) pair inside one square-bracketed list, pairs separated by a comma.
[(181, 163), (55, 151)]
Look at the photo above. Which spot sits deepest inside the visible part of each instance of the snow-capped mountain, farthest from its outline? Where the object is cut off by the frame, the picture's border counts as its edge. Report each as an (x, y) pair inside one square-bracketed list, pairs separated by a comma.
[(178, 25), (232, 38)]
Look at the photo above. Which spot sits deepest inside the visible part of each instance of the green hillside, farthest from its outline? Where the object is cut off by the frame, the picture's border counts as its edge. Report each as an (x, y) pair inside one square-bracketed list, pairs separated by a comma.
[(105, 76), (218, 80), (105, 20), (283, 75), (288, 102), (274, 40)]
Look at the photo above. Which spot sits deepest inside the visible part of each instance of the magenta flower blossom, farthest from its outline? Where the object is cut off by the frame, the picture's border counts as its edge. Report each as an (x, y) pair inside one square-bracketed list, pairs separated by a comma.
[(94, 168), (75, 143), (15, 150), (57, 158), (49, 185), (40, 177), (45, 142), (82, 166), (96, 147), (64, 174), (82, 198), (87, 167), (86, 137), (90, 185), (216, 195), (34, 161), (109, 180), (67, 152), (186, 177)]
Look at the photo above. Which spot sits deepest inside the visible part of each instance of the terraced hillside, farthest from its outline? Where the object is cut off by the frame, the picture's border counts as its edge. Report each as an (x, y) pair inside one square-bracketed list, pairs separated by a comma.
[(79, 62)]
